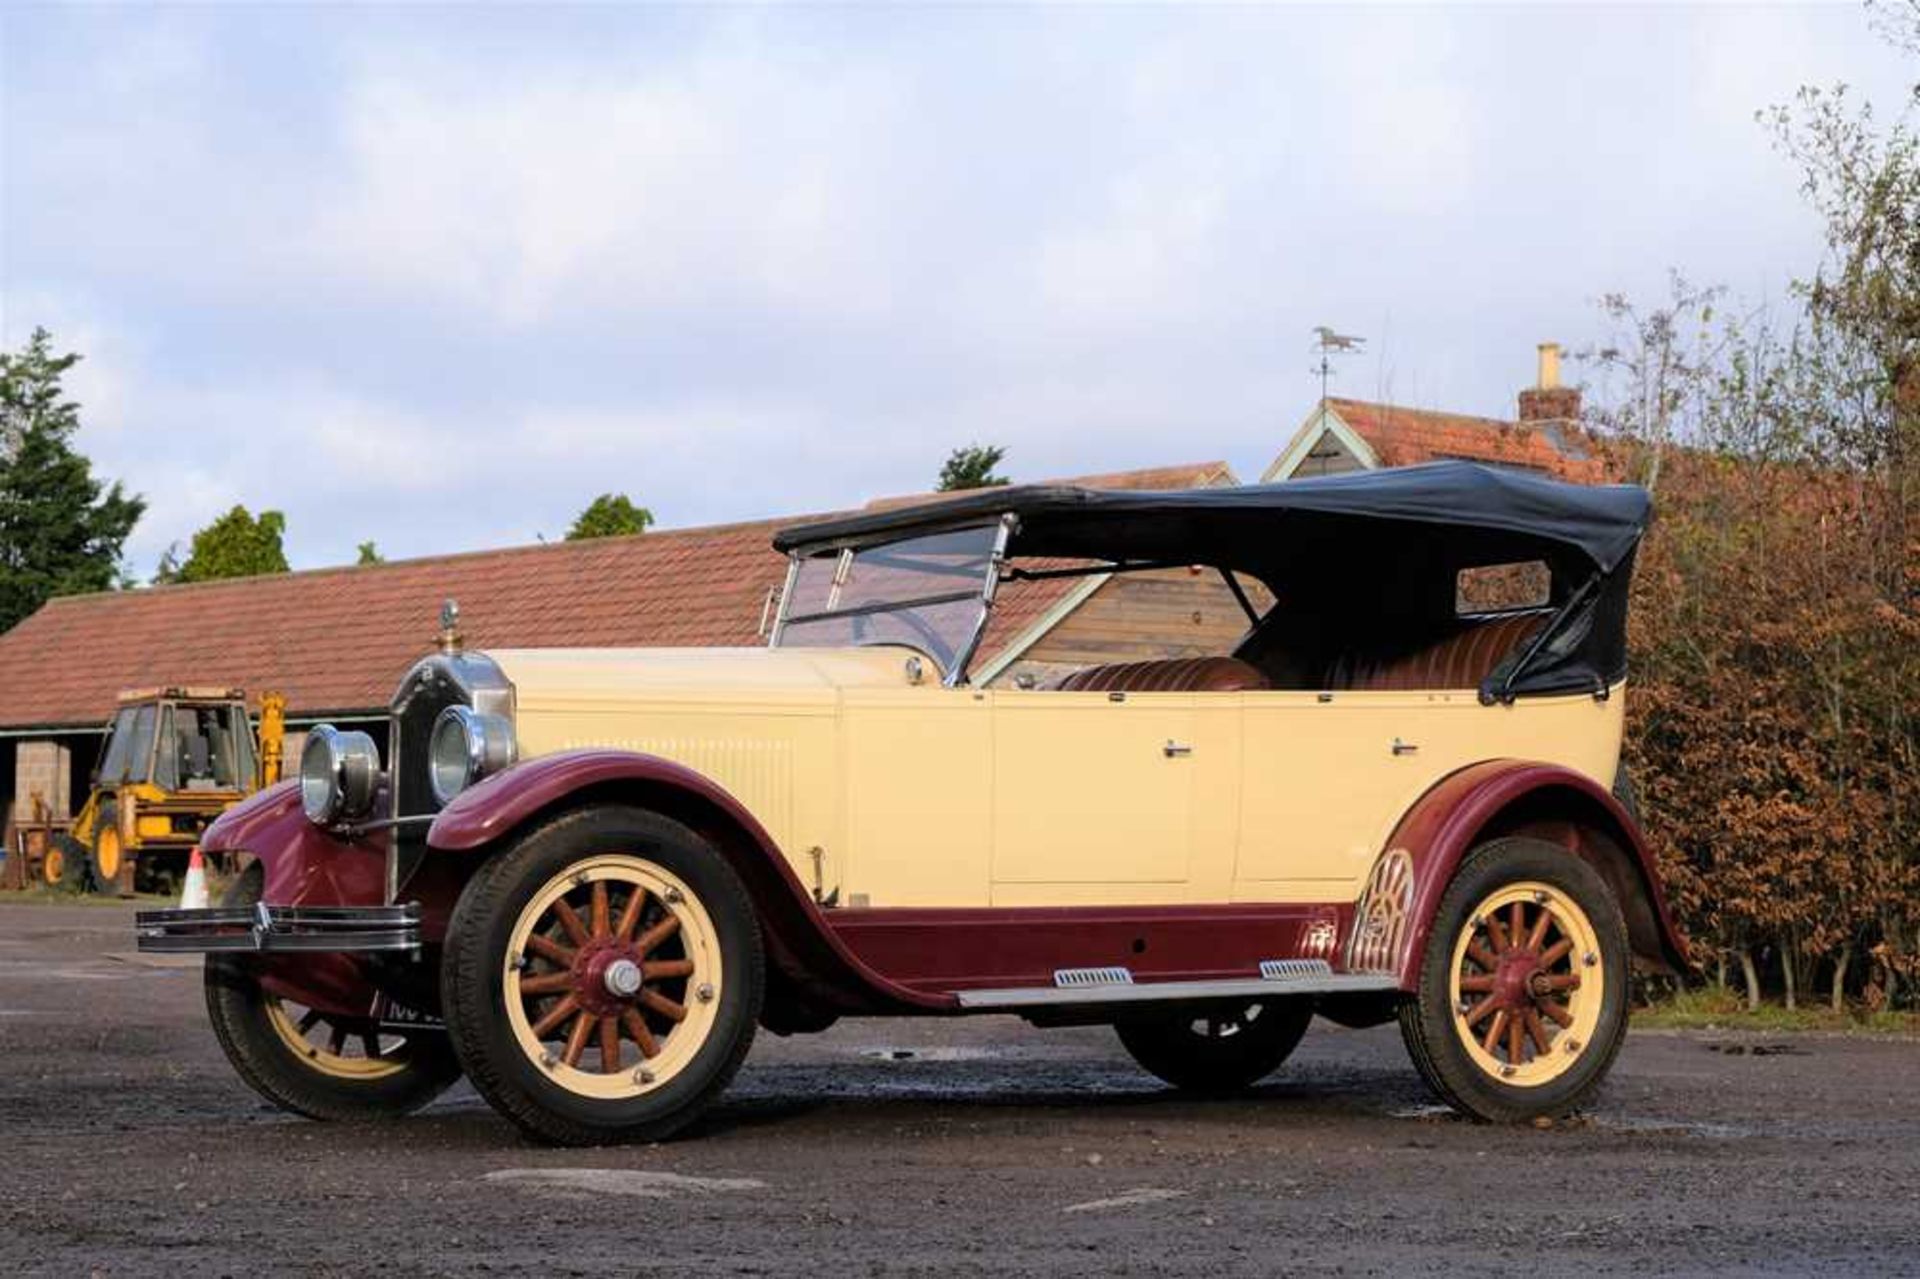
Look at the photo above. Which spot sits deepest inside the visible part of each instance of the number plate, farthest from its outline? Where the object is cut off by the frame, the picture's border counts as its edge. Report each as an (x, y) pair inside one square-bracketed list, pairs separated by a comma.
[(391, 1014)]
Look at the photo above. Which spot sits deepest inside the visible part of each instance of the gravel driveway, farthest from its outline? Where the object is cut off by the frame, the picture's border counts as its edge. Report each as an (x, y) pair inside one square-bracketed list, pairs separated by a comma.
[(131, 1149)]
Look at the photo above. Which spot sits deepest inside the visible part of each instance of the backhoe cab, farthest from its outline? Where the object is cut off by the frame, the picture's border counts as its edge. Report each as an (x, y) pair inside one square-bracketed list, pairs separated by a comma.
[(173, 760)]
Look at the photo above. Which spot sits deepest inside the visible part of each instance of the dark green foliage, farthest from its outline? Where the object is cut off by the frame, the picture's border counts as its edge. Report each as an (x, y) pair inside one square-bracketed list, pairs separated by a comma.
[(972, 468), (237, 545), (61, 531), (610, 515)]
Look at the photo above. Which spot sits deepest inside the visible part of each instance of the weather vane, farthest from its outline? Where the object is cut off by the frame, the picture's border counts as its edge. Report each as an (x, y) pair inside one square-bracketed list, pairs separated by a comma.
[(1328, 344)]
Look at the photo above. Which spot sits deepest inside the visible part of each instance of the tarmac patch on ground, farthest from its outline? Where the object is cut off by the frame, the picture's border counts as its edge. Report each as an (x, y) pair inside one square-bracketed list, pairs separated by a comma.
[(1127, 1199), (633, 1183)]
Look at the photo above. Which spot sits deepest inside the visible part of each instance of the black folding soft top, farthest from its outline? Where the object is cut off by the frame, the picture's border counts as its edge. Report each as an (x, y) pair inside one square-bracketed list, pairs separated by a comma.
[(1367, 554), (1463, 499)]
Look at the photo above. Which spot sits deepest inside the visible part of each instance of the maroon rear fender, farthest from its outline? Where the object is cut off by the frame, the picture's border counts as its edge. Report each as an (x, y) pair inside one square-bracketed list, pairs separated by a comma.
[(1504, 798), (800, 944)]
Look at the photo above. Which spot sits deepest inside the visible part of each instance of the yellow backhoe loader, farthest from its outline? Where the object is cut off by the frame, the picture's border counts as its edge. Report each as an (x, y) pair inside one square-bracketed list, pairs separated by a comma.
[(174, 759)]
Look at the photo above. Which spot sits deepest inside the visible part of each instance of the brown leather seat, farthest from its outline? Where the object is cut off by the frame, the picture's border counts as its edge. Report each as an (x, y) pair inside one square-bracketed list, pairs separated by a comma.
[(1180, 675), (1462, 660)]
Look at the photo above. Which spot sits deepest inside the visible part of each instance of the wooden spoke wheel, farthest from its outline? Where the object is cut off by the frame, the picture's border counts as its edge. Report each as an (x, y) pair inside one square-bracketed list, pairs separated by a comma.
[(1527, 983), (612, 976), (1521, 1003), (321, 1064), (343, 1047), (1218, 1048), (602, 977)]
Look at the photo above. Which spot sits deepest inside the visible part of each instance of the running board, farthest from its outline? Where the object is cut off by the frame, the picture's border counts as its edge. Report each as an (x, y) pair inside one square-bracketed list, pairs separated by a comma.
[(1281, 977)]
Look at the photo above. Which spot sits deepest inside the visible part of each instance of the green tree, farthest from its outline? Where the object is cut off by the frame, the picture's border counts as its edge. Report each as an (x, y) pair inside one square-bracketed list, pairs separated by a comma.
[(610, 515), (61, 530), (237, 545), (972, 468), (1862, 177), (370, 554)]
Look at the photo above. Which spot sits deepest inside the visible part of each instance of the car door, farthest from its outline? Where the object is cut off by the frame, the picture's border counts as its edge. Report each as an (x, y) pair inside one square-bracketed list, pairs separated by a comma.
[(1092, 795)]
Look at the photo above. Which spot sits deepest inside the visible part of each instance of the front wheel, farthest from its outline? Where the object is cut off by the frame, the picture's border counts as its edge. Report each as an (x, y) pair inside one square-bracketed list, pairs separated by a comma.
[(1521, 1005), (109, 857), (603, 978), (1219, 1050), (313, 1063)]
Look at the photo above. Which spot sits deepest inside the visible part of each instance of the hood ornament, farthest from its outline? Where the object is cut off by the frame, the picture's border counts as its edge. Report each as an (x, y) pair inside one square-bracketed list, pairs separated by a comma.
[(450, 626)]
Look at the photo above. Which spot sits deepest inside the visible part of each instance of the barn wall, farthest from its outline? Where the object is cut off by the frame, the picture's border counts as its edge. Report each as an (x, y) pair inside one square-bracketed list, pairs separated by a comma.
[(1138, 616), (42, 767)]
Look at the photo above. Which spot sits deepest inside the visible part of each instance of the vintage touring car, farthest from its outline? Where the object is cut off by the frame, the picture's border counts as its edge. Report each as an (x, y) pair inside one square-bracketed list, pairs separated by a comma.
[(584, 877)]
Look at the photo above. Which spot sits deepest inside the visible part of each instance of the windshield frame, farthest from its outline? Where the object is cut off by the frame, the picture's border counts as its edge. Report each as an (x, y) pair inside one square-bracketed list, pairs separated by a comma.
[(956, 671)]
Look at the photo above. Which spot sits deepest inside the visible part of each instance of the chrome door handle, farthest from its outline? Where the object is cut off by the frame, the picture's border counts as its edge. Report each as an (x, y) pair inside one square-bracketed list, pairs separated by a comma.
[(1174, 749)]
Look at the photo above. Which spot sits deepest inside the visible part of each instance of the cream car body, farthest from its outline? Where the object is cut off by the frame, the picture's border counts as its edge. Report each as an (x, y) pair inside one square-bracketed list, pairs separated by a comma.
[(884, 790)]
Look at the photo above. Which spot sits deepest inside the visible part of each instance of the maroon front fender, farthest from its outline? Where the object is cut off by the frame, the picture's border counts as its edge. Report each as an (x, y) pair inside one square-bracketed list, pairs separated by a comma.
[(484, 812), (305, 866), (800, 942), (1544, 801)]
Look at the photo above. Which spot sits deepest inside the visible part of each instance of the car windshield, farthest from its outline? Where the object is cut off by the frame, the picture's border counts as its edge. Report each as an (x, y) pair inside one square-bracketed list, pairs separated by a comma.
[(927, 593)]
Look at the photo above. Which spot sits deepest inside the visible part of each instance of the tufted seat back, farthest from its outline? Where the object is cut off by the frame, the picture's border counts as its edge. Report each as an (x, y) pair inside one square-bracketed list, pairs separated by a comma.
[(1181, 675), (1462, 660)]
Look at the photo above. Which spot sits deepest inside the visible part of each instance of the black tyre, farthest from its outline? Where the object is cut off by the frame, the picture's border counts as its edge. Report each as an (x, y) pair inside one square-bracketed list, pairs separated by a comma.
[(1217, 1050), (106, 859), (1522, 999), (65, 865), (603, 977), (318, 1064)]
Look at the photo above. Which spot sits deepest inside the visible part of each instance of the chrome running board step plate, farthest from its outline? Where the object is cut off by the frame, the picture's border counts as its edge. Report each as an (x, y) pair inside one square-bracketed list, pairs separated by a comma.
[(1319, 980)]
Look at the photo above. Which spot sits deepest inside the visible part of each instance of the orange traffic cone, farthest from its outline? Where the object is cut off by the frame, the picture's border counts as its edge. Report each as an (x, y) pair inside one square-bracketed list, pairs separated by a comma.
[(194, 895)]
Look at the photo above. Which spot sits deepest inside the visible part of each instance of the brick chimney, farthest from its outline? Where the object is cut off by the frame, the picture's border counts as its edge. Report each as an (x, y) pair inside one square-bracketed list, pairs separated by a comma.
[(1547, 400)]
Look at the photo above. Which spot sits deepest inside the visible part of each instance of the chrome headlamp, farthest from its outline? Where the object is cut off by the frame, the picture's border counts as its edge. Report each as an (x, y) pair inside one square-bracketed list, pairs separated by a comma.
[(466, 746), (339, 775)]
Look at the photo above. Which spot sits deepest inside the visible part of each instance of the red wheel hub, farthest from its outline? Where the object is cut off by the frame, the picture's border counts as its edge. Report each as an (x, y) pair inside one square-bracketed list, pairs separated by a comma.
[(1513, 982), (590, 975)]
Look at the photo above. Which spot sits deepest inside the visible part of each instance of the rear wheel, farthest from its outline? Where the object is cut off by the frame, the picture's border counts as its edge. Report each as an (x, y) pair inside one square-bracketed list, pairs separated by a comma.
[(319, 1064), (65, 864), (1219, 1050), (603, 978), (1521, 1006)]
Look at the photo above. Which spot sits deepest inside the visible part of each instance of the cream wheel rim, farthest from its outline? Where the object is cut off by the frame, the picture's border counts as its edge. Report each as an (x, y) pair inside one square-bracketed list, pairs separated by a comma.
[(1527, 984), (612, 977), (327, 1043)]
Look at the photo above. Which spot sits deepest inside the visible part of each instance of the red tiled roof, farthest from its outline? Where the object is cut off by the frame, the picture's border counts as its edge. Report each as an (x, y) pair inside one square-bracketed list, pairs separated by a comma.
[(338, 640), (1404, 437)]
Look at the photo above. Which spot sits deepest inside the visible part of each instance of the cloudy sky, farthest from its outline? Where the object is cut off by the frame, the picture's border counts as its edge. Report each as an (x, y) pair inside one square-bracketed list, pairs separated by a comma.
[(436, 275)]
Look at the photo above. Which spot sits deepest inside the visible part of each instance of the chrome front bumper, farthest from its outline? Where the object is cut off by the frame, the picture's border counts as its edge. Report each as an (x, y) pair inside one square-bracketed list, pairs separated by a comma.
[(278, 929)]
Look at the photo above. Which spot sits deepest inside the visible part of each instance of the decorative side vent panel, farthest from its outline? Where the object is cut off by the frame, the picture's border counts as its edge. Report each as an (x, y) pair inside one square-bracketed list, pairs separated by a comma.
[(1080, 978), (1386, 908)]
